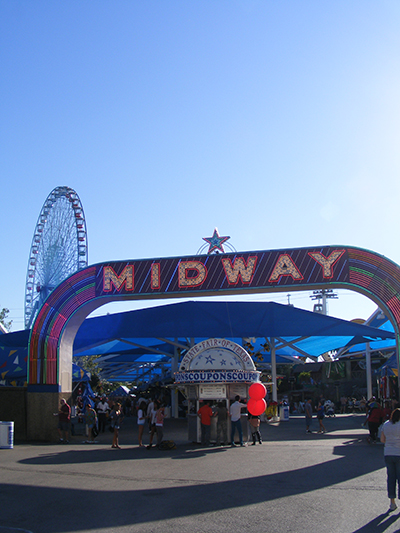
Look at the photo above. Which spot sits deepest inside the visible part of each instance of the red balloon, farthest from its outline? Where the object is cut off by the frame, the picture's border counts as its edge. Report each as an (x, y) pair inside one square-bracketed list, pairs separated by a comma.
[(256, 407), (257, 391)]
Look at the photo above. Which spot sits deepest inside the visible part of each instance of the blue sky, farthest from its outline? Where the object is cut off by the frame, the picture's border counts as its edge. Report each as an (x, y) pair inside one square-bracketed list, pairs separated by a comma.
[(277, 122)]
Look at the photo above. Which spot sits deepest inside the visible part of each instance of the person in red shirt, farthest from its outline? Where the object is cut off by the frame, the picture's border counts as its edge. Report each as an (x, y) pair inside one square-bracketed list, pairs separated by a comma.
[(375, 415), (387, 410), (205, 413)]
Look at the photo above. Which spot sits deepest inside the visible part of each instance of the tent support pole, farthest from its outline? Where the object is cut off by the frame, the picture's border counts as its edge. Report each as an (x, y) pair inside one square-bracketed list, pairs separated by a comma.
[(174, 392), (273, 366), (368, 369), (397, 365)]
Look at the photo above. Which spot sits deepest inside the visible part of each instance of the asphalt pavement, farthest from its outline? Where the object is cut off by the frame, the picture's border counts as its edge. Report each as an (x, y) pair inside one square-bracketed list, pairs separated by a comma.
[(294, 482)]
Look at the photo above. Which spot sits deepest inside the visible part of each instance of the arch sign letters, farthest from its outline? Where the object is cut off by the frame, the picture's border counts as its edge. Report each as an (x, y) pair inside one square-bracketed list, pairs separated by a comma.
[(53, 333)]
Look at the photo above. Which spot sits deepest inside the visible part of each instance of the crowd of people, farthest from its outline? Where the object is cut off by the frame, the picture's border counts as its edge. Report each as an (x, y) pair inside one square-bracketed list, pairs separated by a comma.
[(376, 414), (101, 414), (349, 404), (220, 411)]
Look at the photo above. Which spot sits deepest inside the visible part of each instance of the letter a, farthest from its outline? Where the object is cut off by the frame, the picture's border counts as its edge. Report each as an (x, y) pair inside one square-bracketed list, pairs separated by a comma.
[(285, 267)]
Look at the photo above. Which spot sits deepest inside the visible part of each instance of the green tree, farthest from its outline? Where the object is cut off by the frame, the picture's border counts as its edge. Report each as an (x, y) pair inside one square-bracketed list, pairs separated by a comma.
[(305, 377), (91, 365), (3, 316)]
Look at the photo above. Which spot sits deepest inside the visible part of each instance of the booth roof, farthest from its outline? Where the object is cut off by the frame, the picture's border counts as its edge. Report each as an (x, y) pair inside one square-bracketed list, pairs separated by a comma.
[(379, 320)]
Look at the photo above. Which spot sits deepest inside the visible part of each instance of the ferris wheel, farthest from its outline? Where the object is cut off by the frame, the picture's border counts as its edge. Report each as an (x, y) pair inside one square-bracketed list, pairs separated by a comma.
[(59, 248)]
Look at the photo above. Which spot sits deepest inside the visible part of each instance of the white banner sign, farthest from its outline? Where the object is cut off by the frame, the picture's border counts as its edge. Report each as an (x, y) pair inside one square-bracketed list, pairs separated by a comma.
[(217, 376)]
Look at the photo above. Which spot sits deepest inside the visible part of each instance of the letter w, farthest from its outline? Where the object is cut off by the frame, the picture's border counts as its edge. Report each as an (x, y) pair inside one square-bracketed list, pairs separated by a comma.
[(239, 269)]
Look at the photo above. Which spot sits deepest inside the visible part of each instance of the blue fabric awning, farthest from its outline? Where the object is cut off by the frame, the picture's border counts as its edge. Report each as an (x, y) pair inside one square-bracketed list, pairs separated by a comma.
[(149, 337)]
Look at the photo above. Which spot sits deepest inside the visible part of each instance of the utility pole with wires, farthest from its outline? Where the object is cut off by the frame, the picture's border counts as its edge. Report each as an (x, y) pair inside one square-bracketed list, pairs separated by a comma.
[(322, 294)]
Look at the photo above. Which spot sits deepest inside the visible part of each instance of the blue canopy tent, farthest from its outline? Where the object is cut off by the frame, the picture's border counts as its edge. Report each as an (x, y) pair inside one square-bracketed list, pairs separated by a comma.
[(148, 342), (220, 319), (153, 337), (367, 348), (14, 360), (121, 392), (382, 323), (389, 368)]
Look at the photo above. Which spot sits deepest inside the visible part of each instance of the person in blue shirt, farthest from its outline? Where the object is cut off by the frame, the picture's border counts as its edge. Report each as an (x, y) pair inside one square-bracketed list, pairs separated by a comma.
[(321, 416)]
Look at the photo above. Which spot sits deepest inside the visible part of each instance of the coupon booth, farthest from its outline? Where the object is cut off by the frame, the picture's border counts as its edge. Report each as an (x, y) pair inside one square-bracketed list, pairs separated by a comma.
[(215, 370)]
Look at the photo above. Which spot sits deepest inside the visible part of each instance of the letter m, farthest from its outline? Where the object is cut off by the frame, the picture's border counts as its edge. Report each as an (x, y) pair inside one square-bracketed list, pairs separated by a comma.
[(111, 278)]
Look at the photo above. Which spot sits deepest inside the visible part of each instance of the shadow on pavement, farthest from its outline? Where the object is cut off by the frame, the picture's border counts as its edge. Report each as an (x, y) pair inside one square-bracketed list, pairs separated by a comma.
[(379, 524), (138, 506)]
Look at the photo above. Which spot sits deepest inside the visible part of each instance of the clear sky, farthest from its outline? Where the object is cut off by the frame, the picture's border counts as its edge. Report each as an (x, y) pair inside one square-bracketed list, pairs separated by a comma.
[(276, 122)]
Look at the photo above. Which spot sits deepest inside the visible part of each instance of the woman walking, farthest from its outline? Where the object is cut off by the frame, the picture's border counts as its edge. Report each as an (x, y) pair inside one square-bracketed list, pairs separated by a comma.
[(390, 436), (141, 420), (91, 420), (116, 419)]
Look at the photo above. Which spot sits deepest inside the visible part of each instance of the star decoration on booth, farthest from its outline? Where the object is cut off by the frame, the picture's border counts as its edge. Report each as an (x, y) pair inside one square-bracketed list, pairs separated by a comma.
[(216, 242)]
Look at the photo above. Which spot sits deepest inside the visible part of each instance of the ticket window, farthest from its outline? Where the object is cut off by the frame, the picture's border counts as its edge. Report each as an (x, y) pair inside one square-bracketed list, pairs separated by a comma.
[(194, 424), (195, 399)]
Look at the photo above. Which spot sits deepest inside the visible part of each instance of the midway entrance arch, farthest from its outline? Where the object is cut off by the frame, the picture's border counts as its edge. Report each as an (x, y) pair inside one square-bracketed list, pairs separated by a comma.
[(54, 330)]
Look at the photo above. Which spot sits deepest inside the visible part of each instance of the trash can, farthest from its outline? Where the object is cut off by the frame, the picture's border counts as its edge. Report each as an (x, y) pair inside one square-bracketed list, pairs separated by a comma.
[(284, 413), (6, 435)]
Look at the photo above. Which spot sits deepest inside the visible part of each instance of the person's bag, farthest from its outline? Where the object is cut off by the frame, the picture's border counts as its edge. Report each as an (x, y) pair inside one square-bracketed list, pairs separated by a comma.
[(167, 445)]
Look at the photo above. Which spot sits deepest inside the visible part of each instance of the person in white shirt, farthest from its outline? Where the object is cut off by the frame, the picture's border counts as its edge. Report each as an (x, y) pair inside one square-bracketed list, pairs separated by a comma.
[(235, 412), (150, 407), (390, 436), (102, 408), (153, 416)]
